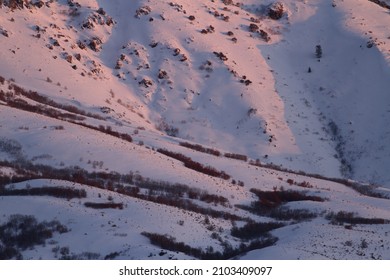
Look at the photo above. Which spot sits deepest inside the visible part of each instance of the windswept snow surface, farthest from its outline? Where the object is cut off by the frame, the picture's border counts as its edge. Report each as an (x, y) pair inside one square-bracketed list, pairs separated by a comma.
[(213, 73)]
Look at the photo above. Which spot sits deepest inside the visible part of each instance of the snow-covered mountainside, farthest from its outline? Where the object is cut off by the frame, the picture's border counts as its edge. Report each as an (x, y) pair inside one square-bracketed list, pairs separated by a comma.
[(194, 129)]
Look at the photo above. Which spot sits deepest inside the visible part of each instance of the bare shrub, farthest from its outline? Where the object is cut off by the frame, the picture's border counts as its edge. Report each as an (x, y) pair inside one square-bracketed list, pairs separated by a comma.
[(236, 156), (167, 128), (270, 204), (200, 148), (33, 95), (189, 163), (22, 232), (253, 27), (276, 198), (10, 146), (276, 11), (143, 11), (169, 243), (280, 213), (104, 205), (227, 2), (254, 230), (318, 51), (342, 217), (15, 4), (221, 56), (59, 192), (264, 35), (146, 82), (95, 44)]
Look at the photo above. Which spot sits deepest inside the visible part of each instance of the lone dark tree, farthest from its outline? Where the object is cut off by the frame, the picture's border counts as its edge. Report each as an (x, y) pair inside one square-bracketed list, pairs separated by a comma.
[(318, 51)]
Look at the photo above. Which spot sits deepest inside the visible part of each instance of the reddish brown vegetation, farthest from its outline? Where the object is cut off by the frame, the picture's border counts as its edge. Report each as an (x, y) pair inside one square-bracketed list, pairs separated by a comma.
[(189, 163)]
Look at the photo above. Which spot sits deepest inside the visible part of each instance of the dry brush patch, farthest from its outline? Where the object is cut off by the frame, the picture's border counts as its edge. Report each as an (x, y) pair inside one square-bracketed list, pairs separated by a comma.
[(169, 243), (367, 190), (54, 191), (272, 204), (200, 148), (22, 232), (191, 164), (343, 217), (104, 205), (39, 98), (278, 197), (253, 229), (160, 192)]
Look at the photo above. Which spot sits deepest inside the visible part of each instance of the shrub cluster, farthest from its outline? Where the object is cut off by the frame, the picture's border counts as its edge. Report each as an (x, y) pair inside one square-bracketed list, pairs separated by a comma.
[(275, 198), (221, 56), (360, 188), (270, 204), (174, 155), (169, 243), (189, 163), (185, 204), (159, 192), (163, 126), (13, 4), (236, 156), (143, 11), (74, 116), (106, 130), (82, 256), (104, 205), (254, 230), (179, 191), (303, 184), (33, 95), (63, 253), (227, 2), (10, 146), (59, 192), (38, 109), (194, 165), (22, 232), (112, 255), (280, 213), (28, 171), (201, 149), (276, 11), (351, 218), (286, 214)]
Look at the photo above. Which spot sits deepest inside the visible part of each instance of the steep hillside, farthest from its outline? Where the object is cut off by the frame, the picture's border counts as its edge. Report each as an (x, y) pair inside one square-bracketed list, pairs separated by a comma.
[(345, 87), (210, 129)]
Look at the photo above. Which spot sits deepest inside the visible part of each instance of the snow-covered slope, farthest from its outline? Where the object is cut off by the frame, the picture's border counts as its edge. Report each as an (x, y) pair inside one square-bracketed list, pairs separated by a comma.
[(173, 92), (346, 89)]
